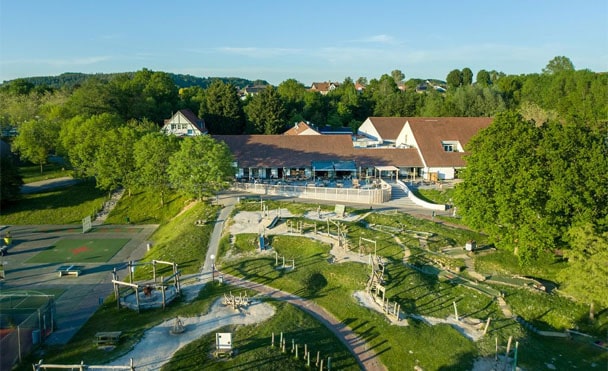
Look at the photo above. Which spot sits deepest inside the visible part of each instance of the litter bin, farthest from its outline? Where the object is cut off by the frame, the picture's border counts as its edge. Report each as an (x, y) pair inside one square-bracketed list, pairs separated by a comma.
[(35, 337)]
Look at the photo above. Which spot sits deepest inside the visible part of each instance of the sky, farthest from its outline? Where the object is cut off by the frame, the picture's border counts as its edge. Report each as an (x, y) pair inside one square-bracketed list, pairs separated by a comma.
[(307, 40)]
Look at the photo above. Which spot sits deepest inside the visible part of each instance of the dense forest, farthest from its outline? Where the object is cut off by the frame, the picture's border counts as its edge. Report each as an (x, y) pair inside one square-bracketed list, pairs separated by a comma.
[(536, 179)]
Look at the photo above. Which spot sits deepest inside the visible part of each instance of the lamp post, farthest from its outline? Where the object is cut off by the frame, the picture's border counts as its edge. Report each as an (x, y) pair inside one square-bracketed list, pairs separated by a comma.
[(212, 268)]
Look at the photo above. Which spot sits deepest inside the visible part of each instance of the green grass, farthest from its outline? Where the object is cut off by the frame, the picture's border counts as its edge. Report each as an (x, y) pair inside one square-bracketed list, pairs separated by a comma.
[(143, 207), (180, 240), (64, 206), (253, 345), (31, 173), (501, 262), (444, 196), (88, 250)]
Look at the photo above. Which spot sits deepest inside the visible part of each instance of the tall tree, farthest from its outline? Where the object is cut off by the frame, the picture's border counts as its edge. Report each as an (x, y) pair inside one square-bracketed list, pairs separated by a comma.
[(467, 76), (587, 272), (201, 167), (36, 140), (292, 93), (114, 164), (558, 64), (503, 192), (222, 109), (266, 112), (483, 78), (151, 165), (454, 78), (80, 138), (398, 76)]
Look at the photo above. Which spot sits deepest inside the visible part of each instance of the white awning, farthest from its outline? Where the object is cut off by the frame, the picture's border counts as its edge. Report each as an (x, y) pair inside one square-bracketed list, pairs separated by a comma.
[(386, 168)]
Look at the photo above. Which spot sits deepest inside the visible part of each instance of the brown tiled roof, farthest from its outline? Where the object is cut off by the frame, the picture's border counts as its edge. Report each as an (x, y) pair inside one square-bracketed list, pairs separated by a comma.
[(429, 133), (299, 151), (299, 128), (194, 120), (388, 127)]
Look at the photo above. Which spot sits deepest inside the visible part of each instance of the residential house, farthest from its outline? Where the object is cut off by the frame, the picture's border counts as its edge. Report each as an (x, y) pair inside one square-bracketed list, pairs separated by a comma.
[(323, 87), (184, 123), (302, 128)]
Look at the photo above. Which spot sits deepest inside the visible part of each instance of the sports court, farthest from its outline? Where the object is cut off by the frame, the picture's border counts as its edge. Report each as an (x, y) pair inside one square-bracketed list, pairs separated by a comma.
[(39, 252)]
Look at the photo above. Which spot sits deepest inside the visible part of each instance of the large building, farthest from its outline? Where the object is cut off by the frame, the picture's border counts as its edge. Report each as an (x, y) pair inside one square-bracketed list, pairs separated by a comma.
[(402, 147)]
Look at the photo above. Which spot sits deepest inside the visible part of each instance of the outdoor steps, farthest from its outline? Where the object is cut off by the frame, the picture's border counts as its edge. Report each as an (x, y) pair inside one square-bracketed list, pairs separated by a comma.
[(399, 197)]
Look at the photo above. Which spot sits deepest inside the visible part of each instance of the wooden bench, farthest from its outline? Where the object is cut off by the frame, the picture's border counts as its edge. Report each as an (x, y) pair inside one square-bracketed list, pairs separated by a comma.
[(68, 270), (107, 338)]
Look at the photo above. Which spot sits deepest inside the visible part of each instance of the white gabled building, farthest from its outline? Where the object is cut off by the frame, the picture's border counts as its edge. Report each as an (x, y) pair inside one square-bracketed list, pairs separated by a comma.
[(184, 123)]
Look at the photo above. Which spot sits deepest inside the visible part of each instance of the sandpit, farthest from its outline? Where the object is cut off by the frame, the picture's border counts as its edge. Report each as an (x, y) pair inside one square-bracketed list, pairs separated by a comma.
[(158, 344)]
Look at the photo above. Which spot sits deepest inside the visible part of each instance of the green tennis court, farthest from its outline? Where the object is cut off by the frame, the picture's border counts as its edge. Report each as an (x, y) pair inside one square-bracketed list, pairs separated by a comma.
[(80, 251)]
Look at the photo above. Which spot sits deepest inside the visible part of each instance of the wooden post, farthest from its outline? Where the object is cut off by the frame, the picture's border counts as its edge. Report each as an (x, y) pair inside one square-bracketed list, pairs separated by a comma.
[(456, 311), (321, 366), (508, 349), (276, 258), (485, 330), (318, 357), (283, 346), (308, 359), (162, 290), (154, 270), (496, 356), (272, 342), (305, 349), (281, 340), (328, 363), (130, 271), (293, 344), (297, 352), (283, 262)]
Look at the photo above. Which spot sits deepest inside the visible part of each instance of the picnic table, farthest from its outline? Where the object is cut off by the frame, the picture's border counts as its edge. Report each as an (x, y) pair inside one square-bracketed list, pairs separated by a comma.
[(68, 270), (107, 338)]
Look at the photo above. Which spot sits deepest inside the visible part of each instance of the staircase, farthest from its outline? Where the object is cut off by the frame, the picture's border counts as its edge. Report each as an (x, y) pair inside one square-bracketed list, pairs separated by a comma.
[(399, 197)]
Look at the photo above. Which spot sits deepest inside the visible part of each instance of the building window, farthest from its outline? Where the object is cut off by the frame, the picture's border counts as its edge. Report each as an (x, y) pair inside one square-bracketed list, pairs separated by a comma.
[(448, 147), (173, 126)]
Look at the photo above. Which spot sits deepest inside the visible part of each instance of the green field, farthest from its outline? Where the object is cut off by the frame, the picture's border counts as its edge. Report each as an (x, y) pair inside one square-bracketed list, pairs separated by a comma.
[(80, 251)]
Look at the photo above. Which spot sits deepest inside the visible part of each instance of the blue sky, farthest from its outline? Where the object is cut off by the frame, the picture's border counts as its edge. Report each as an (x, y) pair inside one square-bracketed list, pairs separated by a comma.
[(309, 40)]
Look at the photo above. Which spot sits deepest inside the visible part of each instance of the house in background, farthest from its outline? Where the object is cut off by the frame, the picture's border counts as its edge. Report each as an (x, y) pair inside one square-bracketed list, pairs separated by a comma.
[(323, 87), (302, 128), (184, 123)]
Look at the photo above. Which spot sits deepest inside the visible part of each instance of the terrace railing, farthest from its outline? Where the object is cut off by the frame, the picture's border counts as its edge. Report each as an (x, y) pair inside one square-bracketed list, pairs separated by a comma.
[(371, 196)]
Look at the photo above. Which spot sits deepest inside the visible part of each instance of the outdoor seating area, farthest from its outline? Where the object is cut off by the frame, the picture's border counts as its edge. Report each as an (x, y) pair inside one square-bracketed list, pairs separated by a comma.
[(107, 338), (328, 182), (69, 270)]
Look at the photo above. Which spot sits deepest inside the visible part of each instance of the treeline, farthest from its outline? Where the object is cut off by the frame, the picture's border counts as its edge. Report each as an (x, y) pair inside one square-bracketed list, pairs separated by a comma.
[(72, 80)]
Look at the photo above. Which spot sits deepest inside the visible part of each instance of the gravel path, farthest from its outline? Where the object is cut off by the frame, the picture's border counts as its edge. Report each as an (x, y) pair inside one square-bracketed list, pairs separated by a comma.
[(366, 357)]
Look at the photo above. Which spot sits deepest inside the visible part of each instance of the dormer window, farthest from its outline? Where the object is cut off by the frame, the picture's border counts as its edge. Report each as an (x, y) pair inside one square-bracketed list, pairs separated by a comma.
[(451, 146)]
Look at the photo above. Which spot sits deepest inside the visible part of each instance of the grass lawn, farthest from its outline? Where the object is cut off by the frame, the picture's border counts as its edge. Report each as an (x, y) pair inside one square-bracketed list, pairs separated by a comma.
[(31, 173), (80, 251), (63, 206), (143, 207)]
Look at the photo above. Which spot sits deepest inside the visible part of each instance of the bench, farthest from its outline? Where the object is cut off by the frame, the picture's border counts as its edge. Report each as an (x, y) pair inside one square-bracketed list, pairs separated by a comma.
[(68, 270), (107, 338)]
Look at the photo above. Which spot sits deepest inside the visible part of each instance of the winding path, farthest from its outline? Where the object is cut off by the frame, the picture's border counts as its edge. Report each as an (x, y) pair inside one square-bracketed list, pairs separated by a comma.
[(367, 358)]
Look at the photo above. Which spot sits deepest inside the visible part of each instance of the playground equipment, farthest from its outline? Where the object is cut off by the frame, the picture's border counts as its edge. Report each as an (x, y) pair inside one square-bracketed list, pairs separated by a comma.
[(377, 290), (147, 294), (236, 302), (178, 327), (283, 266)]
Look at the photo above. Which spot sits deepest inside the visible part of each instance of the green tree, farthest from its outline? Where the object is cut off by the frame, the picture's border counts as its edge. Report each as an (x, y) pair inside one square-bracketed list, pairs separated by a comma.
[(292, 93), (467, 76), (266, 112), (454, 78), (558, 64), (504, 190), (80, 138), (397, 76), (222, 109), (201, 167), (587, 272), (483, 78), (36, 140), (114, 164), (151, 166)]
